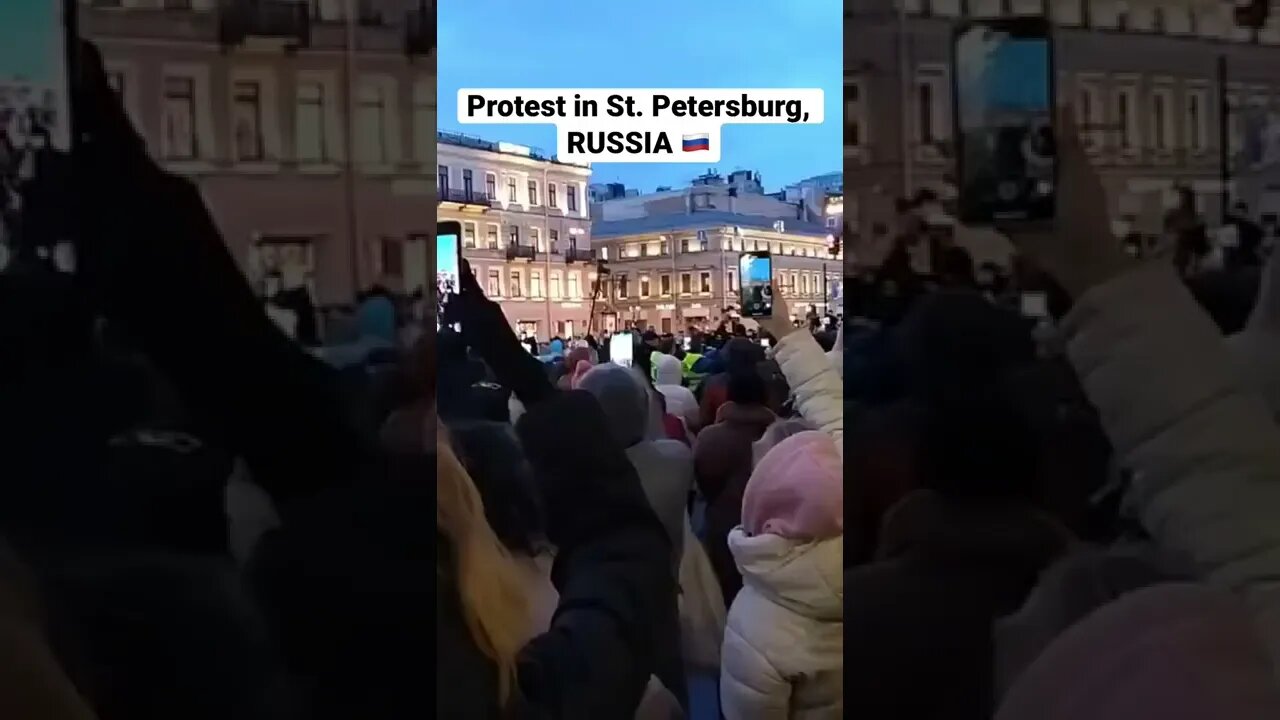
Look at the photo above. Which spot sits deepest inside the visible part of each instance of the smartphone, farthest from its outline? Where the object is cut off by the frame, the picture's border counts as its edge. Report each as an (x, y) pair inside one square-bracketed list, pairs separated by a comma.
[(448, 265), (755, 278), (622, 349), (1003, 95), (35, 117), (1035, 305)]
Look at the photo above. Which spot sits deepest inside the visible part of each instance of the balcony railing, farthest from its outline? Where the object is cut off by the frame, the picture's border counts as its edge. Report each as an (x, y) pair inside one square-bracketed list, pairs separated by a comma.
[(466, 197), (521, 252), (572, 255), (420, 31), (286, 20)]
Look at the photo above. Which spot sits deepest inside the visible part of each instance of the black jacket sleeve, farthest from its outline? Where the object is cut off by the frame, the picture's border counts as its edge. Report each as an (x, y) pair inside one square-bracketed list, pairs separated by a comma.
[(156, 265), (617, 618)]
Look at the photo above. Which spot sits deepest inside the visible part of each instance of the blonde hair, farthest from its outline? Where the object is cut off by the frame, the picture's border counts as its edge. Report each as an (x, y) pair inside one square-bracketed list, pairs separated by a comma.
[(493, 602)]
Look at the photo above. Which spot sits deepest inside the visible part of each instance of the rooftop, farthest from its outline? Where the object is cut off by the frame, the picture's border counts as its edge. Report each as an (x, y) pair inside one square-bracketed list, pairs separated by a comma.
[(701, 221), (503, 148)]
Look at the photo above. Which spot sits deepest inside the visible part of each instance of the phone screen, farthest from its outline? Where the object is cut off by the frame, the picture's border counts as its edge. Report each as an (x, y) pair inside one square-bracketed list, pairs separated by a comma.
[(448, 266), (755, 277), (35, 113), (1035, 305), (1004, 112), (622, 349)]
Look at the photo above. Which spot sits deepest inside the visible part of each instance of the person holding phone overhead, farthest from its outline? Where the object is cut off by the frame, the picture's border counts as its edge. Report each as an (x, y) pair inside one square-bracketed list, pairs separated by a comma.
[(617, 618)]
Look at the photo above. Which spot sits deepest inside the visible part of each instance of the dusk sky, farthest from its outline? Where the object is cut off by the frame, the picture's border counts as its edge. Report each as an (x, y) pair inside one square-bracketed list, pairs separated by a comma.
[(658, 43)]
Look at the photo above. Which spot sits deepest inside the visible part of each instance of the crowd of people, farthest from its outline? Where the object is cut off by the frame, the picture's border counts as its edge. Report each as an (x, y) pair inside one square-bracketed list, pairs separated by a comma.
[(206, 517), (734, 451)]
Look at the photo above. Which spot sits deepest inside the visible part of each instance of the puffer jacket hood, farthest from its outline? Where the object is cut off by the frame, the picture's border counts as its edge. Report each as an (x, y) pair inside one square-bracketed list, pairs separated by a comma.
[(807, 579), (667, 370), (624, 398), (783, 653)]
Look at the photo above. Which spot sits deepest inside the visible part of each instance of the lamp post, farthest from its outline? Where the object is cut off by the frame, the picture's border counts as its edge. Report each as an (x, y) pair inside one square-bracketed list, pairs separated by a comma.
[(349, 176)]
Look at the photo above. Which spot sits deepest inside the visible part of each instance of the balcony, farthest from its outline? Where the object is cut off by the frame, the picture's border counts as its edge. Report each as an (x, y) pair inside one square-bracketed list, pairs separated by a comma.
[(287, 22), (521, 252), (466, 197), (572, 255), (420, 31)]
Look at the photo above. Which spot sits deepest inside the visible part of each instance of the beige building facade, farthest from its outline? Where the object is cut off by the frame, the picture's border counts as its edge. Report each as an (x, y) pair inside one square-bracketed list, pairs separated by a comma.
[(309, 133), (671, 271), (1142, 78), (526, 230)]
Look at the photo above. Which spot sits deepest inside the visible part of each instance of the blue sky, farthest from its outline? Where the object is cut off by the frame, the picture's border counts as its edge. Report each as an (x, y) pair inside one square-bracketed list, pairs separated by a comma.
[(656, 43)]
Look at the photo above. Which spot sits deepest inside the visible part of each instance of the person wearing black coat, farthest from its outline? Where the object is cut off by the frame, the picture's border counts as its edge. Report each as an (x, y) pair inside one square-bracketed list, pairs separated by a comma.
[(617, 621)]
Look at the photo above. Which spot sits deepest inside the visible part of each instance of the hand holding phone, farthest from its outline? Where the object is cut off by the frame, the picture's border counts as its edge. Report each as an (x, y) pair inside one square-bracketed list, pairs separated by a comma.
[(448, 266), (755, 280), (35, 127), (1003, 91), (622, 349)]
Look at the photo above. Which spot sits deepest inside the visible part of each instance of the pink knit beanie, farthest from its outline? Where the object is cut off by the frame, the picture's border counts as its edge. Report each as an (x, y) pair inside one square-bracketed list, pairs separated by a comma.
[(797, 490)]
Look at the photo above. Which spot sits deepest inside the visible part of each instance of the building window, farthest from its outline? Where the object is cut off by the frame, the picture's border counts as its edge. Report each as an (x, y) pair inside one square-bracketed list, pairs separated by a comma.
[(467, 184), (495, 283), (309, 123), (179, 119), (116, 81), (424, 120), (664, 282), (513, 236), (552, 200), (924, 108), (371, 122), (571, 197), (1197, 138), (622, 287), (533, 192), (804, 284), (1161, 120), (644, 286), (491, 186), (392, 257), (1126, 119), (731, 281), (686, 283), (517, 287), (853, 114), (535, 239), (246, 120), (469, 235), (491, 237), (1089, 114), (704, 283), (535, 283), (177, 4), (555, 285), (574, 291), (553, 240), (442, 181), (511, 190)]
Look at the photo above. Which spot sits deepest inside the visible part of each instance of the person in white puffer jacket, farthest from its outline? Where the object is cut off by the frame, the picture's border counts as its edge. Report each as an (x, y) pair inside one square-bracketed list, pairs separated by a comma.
[(783, 653)]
